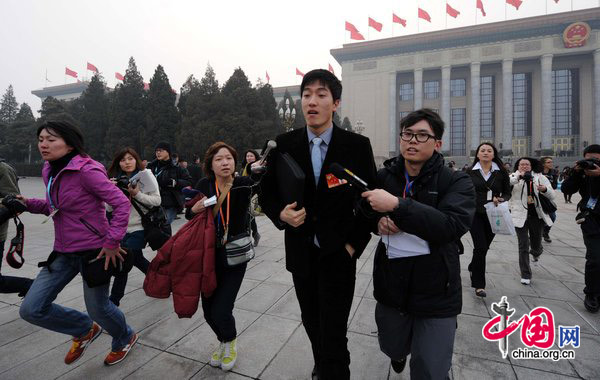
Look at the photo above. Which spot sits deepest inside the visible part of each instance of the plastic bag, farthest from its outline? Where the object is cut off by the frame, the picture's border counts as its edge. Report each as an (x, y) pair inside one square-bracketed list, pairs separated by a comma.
[(500, 219)]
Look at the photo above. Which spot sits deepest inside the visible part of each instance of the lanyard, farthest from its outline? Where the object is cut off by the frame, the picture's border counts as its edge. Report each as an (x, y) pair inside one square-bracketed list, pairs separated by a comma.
[(225, 223), (48, 192), (407, 186)]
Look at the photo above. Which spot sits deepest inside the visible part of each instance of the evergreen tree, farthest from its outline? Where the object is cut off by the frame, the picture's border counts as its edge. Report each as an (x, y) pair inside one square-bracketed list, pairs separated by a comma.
[(95, 117), (162, 117), (56, 110), (346, 124), (8, 106), (191, 85), (299, 121), (25, 113), (336, 119), (127, 126), (203, 102)]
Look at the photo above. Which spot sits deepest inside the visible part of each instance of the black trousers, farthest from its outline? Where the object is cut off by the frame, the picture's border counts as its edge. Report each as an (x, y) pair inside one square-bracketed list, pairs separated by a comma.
[(325, 297), (120, 282), (592, 265), (482, 236), (13, 284), (218, 308), (531, 232)]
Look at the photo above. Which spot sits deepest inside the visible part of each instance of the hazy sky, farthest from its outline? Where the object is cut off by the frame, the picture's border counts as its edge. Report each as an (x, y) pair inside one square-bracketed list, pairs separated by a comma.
[(185, 35)]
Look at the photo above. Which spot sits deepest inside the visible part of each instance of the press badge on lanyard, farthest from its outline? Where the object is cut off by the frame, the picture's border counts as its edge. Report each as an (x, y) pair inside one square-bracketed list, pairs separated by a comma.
[(53, 209), (591, 203)]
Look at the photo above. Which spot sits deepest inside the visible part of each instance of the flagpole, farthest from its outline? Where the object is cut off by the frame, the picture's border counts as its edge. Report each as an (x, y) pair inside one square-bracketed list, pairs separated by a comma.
[(368, 31)]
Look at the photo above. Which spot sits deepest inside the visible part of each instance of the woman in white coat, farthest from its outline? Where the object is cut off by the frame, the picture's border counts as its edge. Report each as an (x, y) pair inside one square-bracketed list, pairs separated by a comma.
[(526, 210)]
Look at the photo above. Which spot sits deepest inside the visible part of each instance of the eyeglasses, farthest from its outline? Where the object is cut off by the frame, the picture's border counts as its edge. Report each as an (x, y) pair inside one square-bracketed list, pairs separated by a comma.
[(420, 137)]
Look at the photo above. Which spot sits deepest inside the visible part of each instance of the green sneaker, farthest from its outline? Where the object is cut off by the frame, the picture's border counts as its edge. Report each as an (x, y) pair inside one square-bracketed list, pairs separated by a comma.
[(217, 356), (229, 355)]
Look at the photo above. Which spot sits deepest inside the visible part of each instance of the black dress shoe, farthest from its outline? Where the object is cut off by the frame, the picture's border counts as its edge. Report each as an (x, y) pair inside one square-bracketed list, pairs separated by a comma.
[(398, 365)]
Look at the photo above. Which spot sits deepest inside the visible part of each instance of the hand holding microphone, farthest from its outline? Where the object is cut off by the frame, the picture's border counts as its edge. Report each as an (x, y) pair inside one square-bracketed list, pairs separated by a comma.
[(260, 166), (380, 200)]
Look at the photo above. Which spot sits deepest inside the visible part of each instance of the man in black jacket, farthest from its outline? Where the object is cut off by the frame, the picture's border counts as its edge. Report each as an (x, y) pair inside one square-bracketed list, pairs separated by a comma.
[(323, 239), (171, 179), (587, 182), (424, 209)]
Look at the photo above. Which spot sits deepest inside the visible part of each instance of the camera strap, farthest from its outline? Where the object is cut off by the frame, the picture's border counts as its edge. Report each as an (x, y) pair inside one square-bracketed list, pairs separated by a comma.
[(14, 257)]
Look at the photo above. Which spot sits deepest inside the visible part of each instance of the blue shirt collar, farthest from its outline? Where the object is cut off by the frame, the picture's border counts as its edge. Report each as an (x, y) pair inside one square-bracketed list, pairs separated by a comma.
[(326, 136)]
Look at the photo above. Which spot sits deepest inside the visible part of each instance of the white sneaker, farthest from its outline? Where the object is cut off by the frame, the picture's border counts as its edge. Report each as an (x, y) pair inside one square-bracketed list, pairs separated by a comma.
[(229, 355), (217, 356), (525, 281)]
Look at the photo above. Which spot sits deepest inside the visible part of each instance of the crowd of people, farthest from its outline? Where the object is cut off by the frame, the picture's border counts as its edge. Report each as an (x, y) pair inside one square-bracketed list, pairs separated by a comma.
[(419, 207)]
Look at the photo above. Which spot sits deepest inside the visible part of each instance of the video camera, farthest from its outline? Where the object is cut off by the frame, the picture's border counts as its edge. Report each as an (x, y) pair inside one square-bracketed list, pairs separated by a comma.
[(10, 208), (588, 163), (527, 177)]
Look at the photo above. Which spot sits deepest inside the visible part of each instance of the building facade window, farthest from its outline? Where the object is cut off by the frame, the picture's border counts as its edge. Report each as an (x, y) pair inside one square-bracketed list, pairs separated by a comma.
[(432, 89), (406, 92), (565, 102), (487, 108), (522, 104), (458, 87), (458, 131)]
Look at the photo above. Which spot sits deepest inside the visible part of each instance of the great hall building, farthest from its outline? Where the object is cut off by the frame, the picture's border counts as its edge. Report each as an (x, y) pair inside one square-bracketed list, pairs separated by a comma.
[(531, 86)]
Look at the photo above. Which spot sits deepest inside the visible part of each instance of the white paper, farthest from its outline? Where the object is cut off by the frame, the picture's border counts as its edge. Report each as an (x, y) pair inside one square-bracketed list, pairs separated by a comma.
[(145, 181), (403, 244)]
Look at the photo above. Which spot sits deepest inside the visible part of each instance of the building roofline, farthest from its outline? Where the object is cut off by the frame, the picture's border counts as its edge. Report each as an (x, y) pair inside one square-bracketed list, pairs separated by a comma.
[(465, 36)]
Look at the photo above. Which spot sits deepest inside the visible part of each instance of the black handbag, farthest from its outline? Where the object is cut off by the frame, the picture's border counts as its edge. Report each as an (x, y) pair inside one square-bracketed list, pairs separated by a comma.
[(156, 229), (547, 206), (93, 272)]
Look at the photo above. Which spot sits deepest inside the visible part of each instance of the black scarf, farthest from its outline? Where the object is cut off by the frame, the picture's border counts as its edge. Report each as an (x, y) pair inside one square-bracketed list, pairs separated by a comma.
[(60, 163)]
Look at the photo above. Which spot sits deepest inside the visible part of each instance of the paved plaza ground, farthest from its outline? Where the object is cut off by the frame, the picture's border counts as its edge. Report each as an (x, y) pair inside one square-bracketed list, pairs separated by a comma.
[(272, 341)]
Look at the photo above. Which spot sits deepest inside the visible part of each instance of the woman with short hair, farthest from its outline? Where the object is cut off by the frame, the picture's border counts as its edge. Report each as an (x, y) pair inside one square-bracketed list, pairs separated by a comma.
[(529, 185), (76, 189)]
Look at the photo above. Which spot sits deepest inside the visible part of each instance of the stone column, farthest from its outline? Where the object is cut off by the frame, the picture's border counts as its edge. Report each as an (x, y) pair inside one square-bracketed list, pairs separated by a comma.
[(597, 96), (546, 125), (475, 104), (418, 89), (392, 123), (507, 104), (446, 69)]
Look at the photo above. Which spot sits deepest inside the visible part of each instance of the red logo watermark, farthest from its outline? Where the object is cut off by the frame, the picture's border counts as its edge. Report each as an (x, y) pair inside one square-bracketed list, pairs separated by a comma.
[(537, 330)]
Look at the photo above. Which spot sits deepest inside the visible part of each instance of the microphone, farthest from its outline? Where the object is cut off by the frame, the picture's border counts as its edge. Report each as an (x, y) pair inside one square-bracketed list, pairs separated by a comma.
[(353, 179), (260, 167)]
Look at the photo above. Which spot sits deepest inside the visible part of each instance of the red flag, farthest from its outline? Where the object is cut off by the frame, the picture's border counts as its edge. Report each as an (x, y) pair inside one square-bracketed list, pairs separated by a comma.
[(356, 36), (375, 25), (70, 72), (480, 7), (91, 67), (516, 3), (298, 72), (398, 20), (119, 76), (424, 15), (453, 12), (350, 27), (268, 77), (146, 86), (331, 69)]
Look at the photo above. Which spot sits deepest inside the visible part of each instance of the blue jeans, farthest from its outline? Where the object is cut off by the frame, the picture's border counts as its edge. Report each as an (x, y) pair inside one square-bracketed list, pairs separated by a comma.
[(171, 214), (38, 307)]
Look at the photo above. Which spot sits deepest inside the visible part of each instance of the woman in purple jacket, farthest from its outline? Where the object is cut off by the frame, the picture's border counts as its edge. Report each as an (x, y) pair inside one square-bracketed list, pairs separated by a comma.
[(76, 189)]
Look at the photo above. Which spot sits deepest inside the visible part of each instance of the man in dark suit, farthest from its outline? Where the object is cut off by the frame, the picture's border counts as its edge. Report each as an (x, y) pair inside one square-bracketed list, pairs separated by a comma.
[(324, 238)]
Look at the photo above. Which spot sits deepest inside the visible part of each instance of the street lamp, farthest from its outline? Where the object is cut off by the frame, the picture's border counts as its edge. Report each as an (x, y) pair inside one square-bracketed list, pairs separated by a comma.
[(359, 127), (287, 117)]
